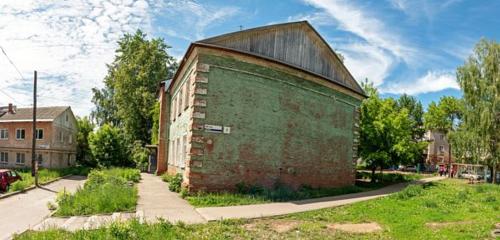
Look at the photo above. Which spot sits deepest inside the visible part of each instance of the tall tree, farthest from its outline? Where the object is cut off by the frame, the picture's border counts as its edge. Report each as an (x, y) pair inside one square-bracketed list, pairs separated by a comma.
[(479, 79), (83, 154), (445, 117), (129, 95), (385, 132)]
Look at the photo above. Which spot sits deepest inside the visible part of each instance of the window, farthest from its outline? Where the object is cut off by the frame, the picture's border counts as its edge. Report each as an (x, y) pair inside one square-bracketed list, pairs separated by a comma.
[(180, 96), (179, 152), (61, 136), (4, 157), (441, 149), (184, 151), (4, 134), (70, 139), (174, 109), (441, 136), (20, 158), (186, 95), (39, 133), (20, 134), (66, 117), (170, 154)]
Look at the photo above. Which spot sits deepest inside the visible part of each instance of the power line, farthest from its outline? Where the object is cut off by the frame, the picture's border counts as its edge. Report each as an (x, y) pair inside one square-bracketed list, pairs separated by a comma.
[(14, 100), (12, 63)]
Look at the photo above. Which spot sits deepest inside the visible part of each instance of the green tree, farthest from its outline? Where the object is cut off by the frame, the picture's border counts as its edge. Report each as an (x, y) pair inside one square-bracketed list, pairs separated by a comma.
[(83, 153), (156, 123), (140, 155), (479, 80), (385, 132), (108, 147), (444, 116), (129, 95)]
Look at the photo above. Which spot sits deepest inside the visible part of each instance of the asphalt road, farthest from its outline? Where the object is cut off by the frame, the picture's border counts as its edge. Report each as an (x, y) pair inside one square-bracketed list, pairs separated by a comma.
[(22, 211)]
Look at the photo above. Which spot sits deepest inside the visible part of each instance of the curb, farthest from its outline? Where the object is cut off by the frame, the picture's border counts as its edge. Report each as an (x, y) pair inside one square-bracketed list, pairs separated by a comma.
[(33, 187)]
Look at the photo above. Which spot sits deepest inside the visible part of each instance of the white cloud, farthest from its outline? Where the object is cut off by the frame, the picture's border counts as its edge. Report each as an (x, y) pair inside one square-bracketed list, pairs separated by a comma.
[(68, 42), (367, 61), (188, 14), (422, 8), (356, 20), (374, 51), (430, 82)]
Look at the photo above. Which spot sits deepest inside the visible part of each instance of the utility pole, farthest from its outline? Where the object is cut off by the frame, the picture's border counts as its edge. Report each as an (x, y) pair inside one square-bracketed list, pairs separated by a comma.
[(34, 163)]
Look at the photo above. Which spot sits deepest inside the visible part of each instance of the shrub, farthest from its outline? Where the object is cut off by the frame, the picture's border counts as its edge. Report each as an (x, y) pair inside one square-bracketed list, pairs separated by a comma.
[(140, 155), (105, 191), (410, 191), (108, 147), (175, 182)]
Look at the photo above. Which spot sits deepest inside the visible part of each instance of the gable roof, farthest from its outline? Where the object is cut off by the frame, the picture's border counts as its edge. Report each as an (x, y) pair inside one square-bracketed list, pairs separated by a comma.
[(296, 44), (42, 114)]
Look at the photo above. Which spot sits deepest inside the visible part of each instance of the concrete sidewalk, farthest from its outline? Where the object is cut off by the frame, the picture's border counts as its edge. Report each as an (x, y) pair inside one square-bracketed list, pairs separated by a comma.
[(274, 209), (156, 201), (24, 210)]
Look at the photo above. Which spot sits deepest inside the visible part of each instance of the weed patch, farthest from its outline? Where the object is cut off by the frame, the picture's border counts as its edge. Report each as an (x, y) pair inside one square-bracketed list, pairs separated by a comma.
[(105, 191)]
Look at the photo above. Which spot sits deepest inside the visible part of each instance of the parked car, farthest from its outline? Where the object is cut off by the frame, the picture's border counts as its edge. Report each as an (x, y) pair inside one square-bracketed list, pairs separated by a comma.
[(7, 177), (471, 176)]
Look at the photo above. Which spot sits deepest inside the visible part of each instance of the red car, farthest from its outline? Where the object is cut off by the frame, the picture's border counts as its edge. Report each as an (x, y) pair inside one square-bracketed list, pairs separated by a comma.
[(7, 177)]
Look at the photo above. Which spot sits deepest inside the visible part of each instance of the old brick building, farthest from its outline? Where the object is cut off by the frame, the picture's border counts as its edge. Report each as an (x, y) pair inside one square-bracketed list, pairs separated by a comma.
[(55, 138), (438, 150), (268, 105)]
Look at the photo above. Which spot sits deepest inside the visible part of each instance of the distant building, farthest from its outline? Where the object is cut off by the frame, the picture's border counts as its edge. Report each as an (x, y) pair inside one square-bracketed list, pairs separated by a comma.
[(264, 106), (55, 138), (438, 150)]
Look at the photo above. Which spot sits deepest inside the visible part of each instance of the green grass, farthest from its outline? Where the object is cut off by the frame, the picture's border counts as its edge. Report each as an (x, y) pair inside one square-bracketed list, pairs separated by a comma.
[(44, 176), (247, 194), (402, 216), (105, 191)]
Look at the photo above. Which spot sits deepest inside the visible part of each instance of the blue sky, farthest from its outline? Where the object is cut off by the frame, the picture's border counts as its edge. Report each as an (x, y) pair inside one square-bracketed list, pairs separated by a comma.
[(403, 46)]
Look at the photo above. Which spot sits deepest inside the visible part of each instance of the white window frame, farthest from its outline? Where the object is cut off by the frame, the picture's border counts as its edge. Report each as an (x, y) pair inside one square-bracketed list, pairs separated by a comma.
[(4, 157), (186, 94), (181, 99), (174, 108), (20, 158), (37, 133), (19, 130), (4, 134)]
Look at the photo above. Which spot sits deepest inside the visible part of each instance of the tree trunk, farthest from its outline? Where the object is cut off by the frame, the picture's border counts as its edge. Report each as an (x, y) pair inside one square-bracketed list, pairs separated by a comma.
[(449, 160), (494, 174), (373, 174)]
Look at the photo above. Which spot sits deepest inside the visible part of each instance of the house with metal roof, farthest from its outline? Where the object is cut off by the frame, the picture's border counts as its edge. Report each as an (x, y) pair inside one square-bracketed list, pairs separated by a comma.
[(267, 106), (55, 138)]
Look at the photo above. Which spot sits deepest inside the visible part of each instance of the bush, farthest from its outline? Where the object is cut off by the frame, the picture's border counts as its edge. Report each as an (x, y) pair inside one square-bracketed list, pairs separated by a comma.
[(140, 155), (174, 184), (410, 191), (105, 191), (108, 147)]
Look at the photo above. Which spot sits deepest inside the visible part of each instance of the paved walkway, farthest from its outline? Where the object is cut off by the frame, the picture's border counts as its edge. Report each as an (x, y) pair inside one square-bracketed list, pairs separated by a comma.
[(156, 201), (274, 209), (21, 211)]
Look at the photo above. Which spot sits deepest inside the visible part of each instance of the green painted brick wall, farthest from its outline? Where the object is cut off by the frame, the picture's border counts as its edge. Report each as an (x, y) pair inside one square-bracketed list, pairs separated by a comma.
[(283, 129)]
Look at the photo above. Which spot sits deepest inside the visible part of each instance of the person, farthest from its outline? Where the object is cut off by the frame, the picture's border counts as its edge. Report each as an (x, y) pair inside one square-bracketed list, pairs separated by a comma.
[(441, 171)]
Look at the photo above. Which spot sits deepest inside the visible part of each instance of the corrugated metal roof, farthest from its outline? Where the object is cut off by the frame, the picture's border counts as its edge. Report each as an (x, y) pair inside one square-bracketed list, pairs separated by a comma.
[(42, 114)]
